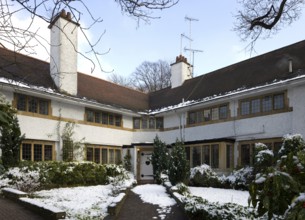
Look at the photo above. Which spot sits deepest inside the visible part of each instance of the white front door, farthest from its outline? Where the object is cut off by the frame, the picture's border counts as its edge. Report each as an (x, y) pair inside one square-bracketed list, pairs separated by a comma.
[(146, 169)]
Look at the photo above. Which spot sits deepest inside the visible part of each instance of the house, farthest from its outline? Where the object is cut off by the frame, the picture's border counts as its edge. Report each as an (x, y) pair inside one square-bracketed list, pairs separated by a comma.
[(219, 115)]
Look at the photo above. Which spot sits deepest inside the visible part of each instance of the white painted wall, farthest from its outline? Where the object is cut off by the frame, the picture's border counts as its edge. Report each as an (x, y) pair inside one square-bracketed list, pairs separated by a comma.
[(180, 71), (63, 60)]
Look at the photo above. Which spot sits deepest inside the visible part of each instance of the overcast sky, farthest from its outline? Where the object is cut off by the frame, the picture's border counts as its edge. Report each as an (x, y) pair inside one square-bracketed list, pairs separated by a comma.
[(130, 44)]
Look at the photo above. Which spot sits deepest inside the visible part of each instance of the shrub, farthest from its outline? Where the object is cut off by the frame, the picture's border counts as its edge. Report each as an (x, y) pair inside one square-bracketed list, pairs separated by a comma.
[(198, 208), (204, 176), (240, 179), (178, 165), (159, 159)]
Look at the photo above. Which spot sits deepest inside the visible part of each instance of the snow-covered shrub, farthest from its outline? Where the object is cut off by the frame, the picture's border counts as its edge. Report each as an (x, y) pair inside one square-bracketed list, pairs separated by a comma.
[(204, 176), (240, 179), (276, 186), (25, 179), (178, 170), (198, 208), (182, 189)]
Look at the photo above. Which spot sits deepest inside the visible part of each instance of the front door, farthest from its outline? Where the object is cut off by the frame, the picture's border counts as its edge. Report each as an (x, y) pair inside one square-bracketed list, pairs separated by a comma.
[(146, 169)]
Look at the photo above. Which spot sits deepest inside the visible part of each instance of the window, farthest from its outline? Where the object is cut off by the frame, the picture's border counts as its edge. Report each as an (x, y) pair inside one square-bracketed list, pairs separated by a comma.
[(245, 153), (255, 106), (37, 151), (278, 101), (245, 108), (206, 154), (215, 156), (265, 104), (148, 123), (32, 104), (104, 155), (104, 118), (196, 156), (208, 114)]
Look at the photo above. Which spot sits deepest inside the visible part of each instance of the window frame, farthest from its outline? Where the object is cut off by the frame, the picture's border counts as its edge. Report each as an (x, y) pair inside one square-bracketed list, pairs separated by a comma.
[(139, 122), (103, 118), (30, 155), (106, 154), (32, 104)]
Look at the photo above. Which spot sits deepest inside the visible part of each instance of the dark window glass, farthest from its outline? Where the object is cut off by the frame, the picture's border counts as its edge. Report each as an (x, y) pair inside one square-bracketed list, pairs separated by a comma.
[(207, 114), (37, 152), (105, 118), (90, 116), (159, 123), (144, 123), (89, 154), (136, 123), (111, 156), (48, 151), (21, 102), (152, 123), (245, 108), (192, 117), (278, 101), (199, 116), (255, 106), (223, 112), (215, 156), (206, 154), (111, 119), (188, 153), (43, 107), (26, 151), (97, 117), (245, 155), (104, 156), (196, 156), (118, 159), (215, 113), (97, 155), (229, 156), (118, 120), (267, 104), (32, 104)]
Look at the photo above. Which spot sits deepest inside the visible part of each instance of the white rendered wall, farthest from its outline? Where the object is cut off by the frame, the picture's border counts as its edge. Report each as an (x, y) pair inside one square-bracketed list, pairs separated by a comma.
[(179, 73), (63, 60)]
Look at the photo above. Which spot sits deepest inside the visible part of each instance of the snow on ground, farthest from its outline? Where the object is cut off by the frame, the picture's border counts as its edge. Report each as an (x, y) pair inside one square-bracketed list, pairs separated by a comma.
[(79, 202), (221, 195), (156, 195)]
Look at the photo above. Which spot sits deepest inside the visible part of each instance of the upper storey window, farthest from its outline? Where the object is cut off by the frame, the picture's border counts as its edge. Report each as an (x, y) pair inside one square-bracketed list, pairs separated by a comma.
[(32, 104), (264, 104), (148, 123), (105, 118), (208, 114)]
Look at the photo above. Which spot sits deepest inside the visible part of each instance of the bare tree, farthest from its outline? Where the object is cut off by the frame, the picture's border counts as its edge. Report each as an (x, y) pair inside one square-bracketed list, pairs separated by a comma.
[(21, 38), (261, 18), (120, 80), (151, 76)]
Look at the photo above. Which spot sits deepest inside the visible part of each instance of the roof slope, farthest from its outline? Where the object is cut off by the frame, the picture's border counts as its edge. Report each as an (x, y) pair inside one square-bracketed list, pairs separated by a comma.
[(110, 93), (247, 74), (22, 68), (34, 72)]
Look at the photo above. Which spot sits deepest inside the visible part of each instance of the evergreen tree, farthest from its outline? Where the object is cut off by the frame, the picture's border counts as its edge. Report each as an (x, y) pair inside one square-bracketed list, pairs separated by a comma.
[(11, 137), (178, 164), (159, 159)]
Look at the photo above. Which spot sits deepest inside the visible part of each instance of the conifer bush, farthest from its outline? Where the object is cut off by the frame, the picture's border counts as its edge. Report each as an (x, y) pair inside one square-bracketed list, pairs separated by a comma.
[(159, 159), (178, 165)]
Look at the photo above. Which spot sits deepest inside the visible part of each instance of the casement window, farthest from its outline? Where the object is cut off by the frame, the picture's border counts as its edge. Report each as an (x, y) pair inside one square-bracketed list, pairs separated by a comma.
[(204, 154), (148, 123), (247, 150), (229, 156), (209, 114), (37, 151), (104, 155), (104, 118), (32, 104), (267, 104)]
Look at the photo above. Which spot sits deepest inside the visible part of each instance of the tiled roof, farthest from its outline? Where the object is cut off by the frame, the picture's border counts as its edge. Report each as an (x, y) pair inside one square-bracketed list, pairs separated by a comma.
[(246, 74), (34, 72)]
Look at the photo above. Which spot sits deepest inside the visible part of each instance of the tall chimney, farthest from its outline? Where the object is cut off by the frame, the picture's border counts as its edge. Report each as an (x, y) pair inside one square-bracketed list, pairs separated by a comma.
[(180, 71), (63, 60)]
